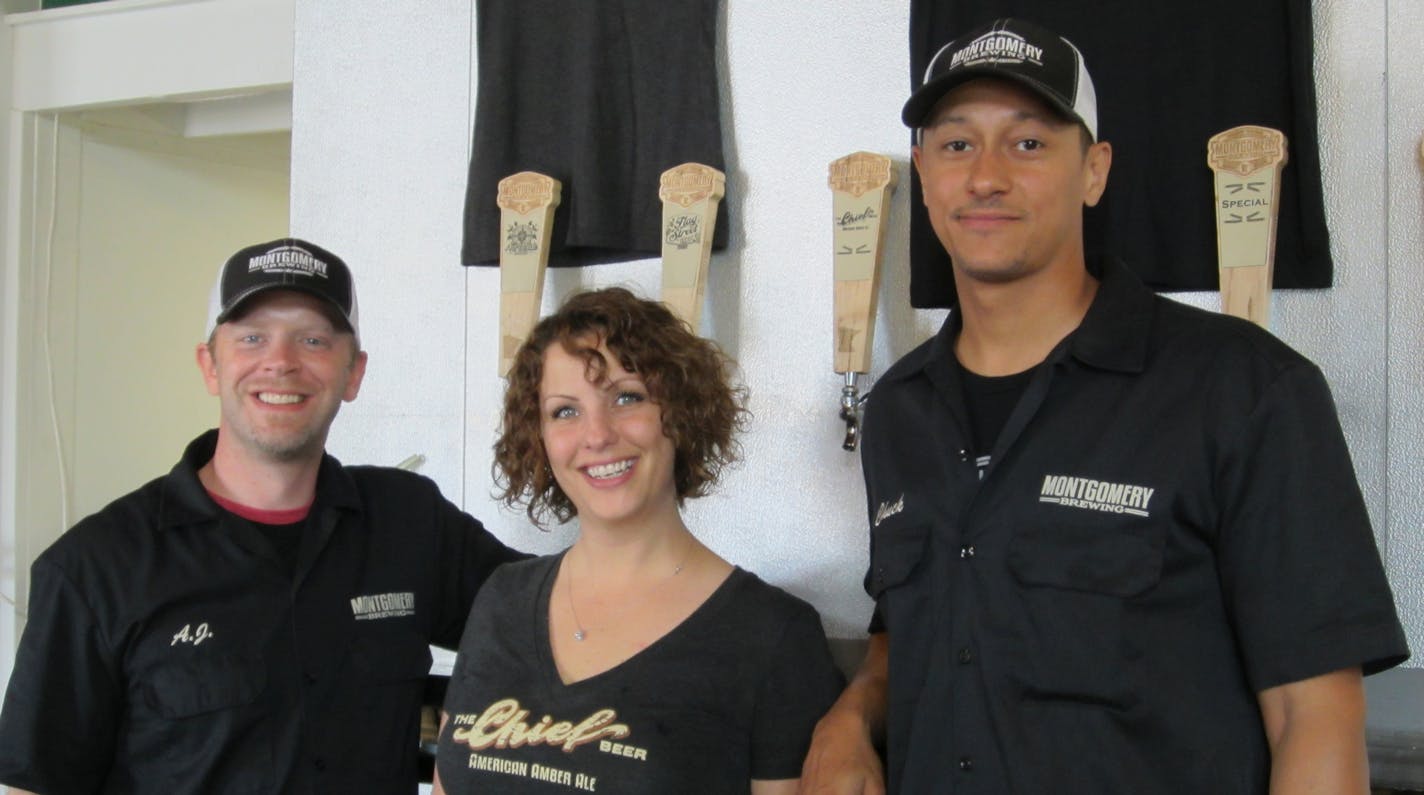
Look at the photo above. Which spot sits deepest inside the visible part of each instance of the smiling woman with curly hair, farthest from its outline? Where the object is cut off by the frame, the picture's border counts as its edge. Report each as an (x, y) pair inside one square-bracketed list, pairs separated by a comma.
[(686, 375), (656, 665)]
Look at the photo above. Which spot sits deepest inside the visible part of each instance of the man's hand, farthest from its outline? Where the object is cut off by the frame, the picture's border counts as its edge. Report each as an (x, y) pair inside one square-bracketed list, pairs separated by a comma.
[(842, 759)]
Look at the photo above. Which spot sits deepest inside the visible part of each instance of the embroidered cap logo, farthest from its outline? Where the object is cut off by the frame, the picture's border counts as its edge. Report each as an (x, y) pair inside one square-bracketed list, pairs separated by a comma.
[(998, 46)]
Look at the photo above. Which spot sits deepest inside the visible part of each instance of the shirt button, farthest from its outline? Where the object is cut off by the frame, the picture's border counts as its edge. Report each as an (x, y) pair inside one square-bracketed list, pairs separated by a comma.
[(319, 764), (310, 678), (966, 551), (966, 763), (965, 656)]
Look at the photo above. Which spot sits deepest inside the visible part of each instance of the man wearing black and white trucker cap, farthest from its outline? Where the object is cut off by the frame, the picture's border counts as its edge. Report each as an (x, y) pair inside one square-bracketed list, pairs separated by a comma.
[(258, 619), (1116, 543)]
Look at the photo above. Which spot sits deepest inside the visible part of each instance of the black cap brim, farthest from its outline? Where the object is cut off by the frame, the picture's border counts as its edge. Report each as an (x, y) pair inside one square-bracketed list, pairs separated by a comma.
[(927, 96), (237, 309)]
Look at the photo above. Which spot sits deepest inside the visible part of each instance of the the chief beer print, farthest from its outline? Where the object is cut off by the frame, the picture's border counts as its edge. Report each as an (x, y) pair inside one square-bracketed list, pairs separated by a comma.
[(507, 725)]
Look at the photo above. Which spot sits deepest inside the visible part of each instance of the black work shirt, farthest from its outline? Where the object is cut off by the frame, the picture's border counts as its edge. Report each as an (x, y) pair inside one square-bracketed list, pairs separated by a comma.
[(169, 649), (1169, 524)]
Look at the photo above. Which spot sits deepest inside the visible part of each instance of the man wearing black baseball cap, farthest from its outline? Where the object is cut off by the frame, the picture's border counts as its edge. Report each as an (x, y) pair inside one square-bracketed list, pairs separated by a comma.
[(287, 264), (1116, 543), (259, 619)]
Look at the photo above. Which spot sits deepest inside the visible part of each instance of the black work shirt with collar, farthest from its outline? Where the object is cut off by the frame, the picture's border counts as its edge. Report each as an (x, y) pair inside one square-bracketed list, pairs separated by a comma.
[(170, 650), (1168, 525)]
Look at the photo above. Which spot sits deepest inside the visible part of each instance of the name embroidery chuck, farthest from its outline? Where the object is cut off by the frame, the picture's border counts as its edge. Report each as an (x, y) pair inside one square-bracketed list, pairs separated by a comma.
[(888, 509)]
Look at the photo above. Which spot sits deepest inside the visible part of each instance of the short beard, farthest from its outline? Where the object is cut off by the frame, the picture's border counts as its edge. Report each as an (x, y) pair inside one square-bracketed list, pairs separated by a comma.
[(283, 448), (296, 450), (1002, 275)]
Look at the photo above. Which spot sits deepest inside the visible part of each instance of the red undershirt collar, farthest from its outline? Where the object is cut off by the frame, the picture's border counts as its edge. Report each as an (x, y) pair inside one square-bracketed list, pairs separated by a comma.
[(261, 516)]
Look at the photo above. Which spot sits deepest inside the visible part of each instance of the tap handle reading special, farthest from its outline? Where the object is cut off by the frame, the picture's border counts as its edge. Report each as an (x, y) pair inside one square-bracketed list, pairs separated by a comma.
[(1247, 163)]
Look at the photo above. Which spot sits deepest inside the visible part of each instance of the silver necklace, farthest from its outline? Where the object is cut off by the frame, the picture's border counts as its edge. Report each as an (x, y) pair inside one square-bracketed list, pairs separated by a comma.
[(580, 634)]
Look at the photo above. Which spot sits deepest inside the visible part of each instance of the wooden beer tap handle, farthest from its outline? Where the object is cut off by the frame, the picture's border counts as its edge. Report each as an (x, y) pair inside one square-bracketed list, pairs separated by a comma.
[(1247, 163), (526, 201), (690, 194), (861, 185)]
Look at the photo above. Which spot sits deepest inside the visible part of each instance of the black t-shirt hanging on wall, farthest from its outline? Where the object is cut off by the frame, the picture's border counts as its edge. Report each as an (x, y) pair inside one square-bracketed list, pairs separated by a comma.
[(1168, 77), (603, 97)]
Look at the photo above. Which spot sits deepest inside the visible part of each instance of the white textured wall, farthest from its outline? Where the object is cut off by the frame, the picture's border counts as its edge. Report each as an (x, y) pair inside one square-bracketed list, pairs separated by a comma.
[(9, 352), (381, 128), (1405, 277)]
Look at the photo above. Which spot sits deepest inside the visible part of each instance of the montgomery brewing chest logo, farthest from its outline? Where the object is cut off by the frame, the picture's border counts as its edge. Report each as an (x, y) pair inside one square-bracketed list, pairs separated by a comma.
[(1096, 495), (383, 605)]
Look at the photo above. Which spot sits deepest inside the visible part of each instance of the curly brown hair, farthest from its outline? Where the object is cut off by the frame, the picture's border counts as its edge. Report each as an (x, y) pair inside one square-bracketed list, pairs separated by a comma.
[(688, 377)]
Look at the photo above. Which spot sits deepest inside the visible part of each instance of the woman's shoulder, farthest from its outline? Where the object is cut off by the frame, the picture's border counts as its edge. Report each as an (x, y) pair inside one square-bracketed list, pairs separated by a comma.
[(768, 605), (784, 645)]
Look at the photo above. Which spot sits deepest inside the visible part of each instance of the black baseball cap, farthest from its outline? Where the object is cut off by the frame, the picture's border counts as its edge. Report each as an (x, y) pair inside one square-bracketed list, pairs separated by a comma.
[(285, 264), (1010, 49)]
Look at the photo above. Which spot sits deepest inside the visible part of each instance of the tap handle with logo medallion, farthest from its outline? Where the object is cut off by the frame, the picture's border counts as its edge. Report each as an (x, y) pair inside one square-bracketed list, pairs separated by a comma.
[(690, 194), (526, 220), (1247, 163), (861, 185)]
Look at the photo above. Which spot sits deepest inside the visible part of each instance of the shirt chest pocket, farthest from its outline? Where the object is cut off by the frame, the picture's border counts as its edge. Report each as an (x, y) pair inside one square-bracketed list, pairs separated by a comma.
[(1076, 585), (1121, 560), (198, 724), (383, 692), (191, 688), (390, 658), (898, 552)]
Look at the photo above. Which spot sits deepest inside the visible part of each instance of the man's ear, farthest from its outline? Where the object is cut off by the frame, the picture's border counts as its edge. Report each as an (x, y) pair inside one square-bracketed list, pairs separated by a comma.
[(208, 366), (1097, 164), (915, 153), (358, 372)]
